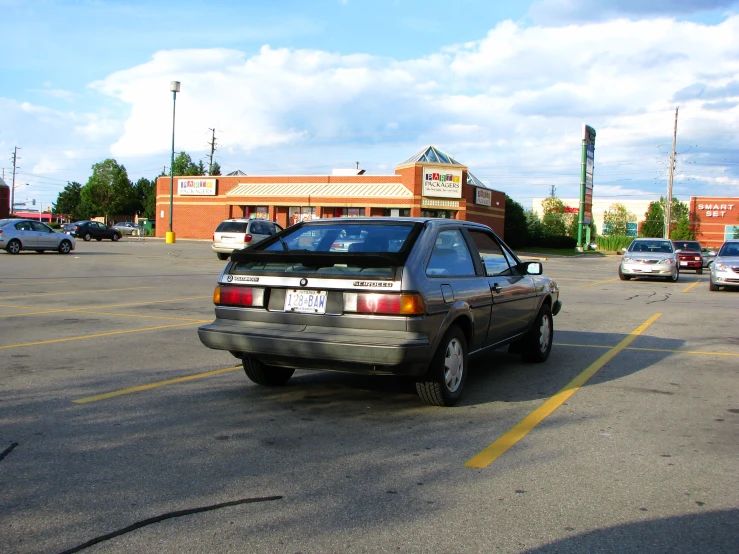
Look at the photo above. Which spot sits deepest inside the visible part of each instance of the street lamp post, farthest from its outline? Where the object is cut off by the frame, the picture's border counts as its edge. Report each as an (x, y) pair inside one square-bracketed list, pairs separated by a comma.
[(174, 86), (12, 196)]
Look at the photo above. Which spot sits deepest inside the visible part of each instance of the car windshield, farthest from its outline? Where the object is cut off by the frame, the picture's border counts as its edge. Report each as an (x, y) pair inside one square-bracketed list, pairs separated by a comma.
[(651, 246), (232, 227), (729, 249), (375, 250), (687, 245)]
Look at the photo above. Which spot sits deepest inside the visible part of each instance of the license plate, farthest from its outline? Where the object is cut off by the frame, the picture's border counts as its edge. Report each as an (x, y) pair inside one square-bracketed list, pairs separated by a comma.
[(683, 263), (306, 301), (645, 270)]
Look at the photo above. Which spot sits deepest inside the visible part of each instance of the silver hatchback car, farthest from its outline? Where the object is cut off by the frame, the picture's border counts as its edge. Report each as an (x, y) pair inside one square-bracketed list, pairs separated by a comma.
[(649, 258), (414, 297), (725, 268), (233, 234), (28, 234)]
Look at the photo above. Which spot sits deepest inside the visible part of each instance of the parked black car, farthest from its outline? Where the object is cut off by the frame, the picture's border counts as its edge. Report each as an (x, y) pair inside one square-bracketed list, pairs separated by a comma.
[(87, 230)]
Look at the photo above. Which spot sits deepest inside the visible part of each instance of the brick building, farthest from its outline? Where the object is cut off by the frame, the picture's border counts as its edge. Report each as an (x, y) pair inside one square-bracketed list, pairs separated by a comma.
[(715, 219), (430, 184)]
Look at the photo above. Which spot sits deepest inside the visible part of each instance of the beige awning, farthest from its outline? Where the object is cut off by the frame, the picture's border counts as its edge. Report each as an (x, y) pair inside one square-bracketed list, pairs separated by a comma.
[(344, 190)]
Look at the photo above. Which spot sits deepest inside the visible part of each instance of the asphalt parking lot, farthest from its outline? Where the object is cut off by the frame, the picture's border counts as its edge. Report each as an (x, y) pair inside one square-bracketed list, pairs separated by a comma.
[(120, 432)]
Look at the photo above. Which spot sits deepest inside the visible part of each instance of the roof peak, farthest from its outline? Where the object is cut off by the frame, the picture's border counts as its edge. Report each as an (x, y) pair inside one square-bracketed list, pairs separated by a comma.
[(431, 154)]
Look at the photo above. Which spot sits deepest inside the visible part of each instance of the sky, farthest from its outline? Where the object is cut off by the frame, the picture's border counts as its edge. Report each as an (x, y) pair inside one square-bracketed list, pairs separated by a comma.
[(297, 87)]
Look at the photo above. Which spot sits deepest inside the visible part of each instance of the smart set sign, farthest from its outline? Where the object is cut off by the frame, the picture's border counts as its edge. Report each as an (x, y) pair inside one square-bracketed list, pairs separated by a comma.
[(443, 183), (196, 187)]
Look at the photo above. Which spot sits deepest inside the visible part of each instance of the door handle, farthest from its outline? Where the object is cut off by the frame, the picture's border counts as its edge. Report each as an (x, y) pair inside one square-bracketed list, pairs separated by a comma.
[(496, 288)]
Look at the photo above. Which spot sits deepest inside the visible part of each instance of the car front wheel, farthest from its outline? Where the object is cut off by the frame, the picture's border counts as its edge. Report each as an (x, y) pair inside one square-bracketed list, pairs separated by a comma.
[(222, 256), (674, 278), (65, 247), (622, 276), (268, 376), (537, 344), (115, 237), (14, 246), (712, 286), (443, 383)]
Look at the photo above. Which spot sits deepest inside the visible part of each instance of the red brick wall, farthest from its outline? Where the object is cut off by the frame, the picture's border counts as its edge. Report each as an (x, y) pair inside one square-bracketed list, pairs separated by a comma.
[(710, 216)]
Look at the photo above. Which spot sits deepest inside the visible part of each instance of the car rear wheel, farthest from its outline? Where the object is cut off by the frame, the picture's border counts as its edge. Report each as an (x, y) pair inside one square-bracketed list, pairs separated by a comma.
[(443, 383), (699, 271), (65, 247), (87, 237), (222, 256), (14, 246), (712, 286), (115, 237), (537, 344), (268, 376)]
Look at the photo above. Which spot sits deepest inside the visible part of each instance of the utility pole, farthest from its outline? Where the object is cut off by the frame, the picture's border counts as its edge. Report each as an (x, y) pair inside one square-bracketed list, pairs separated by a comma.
[(12, 188), (668, 204), (551, 191), (212, 144)]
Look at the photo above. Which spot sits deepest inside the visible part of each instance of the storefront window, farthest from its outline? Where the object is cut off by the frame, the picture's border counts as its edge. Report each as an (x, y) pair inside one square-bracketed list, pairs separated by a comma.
[(398, 212), (445, 214), (349, 212), (257, 212), (300, 213)]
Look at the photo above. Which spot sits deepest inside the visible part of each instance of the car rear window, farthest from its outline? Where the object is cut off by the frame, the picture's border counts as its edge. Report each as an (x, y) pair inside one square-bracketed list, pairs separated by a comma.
[(318, 249), (687, 245), (231, 227)]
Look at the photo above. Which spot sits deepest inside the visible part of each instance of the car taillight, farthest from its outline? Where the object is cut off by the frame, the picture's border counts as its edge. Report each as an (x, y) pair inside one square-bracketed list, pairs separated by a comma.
[(214, 237), (230, 295), (384, 304), (247, 238), (697, 258)]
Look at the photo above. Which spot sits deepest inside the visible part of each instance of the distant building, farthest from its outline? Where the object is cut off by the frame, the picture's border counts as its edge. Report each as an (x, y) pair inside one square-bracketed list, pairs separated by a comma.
[(428, 184)]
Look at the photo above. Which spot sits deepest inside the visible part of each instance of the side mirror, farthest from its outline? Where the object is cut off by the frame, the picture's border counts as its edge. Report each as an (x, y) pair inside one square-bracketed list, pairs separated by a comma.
[(534, 268), (624, 249)]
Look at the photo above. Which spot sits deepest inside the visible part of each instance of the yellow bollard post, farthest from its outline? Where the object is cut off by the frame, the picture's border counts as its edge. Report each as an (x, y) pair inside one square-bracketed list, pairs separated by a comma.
[(170, 237)]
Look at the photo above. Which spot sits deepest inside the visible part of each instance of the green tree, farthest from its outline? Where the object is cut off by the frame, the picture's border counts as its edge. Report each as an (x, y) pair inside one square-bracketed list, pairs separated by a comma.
[(215, 169), (145, 191), (68, 201), (534, 227), (108, 190), (683, 230), (654, 221), (516, 231), (615, 219), (183, 165), (554, 221)]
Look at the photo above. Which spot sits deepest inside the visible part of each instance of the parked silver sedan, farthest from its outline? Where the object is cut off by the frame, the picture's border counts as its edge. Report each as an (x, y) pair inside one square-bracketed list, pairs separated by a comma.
[(27, 234), (649, 257), (725, 268), (414, 296)]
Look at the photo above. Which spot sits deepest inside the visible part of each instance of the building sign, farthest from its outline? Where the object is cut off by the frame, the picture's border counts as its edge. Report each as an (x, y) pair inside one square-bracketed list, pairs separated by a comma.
[(442, 182), (483, 197), (196, 187), (715, 210), (586, 182)]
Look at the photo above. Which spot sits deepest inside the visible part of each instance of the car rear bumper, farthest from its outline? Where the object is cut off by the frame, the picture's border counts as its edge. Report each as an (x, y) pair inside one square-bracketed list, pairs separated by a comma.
[(309, 347), (224, 248)]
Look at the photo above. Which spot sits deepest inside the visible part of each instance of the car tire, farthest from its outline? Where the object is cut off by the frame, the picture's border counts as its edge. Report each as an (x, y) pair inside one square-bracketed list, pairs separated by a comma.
[(115, 237), (537, 344), (222, 256), (713, 287), (65, 247), (622, 276), (674, 278), (699, 271), (86, 237), (443, 382), (14, 246), (261, 374)]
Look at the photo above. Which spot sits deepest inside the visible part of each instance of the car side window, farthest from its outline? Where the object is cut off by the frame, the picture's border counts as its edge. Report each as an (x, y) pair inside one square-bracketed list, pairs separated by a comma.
[(450, 256), (23, 226), (256, 228), (493, 257), (40, 227)]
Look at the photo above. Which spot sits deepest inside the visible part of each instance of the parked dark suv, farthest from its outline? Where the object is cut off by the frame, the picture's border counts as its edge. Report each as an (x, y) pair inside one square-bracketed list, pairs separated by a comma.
[(411, 296), (87, 230)]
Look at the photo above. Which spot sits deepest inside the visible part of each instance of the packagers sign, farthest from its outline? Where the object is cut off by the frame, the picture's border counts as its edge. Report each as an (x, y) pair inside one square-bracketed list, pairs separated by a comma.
[(483, 197), (442, 182), (196, 187)]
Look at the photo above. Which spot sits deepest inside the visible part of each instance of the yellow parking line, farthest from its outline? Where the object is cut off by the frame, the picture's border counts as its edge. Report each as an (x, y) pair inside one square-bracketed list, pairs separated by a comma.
[(153, 385), (599, 283), (521, 429), (50, 311), (111, 333), (92, 312), (668, 350), (686, 289), (66, 293), (33, 282)]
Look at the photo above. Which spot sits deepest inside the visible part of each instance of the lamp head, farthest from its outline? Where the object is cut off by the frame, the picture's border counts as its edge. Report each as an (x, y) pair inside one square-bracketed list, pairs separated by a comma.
[(174, 86)]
